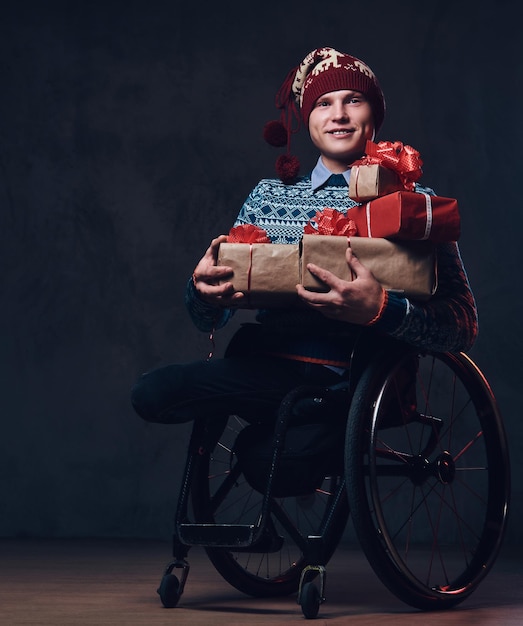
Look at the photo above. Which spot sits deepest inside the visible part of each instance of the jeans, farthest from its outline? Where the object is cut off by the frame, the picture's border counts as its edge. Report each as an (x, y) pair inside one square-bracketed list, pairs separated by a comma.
[(249, 386)]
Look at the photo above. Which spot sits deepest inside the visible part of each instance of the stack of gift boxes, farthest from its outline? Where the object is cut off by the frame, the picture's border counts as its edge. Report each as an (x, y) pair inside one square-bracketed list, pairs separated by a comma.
[(393, 231)]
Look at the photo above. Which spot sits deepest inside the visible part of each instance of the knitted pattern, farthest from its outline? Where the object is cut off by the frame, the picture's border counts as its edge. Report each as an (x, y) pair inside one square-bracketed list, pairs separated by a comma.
[(284, 210)]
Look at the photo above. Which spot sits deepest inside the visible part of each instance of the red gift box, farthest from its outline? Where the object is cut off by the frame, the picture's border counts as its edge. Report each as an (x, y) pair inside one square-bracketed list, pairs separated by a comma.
[(408, 215)]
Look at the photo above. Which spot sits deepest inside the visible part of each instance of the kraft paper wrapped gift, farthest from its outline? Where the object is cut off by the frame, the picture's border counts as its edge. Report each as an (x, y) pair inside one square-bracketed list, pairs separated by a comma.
[(386, 167), (408, 215), (367, 182), (266, 272), (404, 267)]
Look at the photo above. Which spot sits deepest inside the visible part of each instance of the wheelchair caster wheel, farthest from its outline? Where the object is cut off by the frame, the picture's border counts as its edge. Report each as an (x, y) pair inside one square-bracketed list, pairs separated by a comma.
[(310, 600), (169, 591)]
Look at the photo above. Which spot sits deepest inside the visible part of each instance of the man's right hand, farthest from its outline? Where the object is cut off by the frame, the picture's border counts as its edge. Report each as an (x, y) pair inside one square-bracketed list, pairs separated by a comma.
[(210, 279)]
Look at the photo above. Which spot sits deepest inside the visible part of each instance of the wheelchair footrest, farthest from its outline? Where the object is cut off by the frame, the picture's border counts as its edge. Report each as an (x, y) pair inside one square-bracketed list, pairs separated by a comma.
[(217, 535)]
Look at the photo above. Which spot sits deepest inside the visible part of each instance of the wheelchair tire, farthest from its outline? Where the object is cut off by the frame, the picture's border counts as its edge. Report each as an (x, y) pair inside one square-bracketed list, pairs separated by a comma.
[(221, 495), (310, 601), (169, 591), (429, 491)]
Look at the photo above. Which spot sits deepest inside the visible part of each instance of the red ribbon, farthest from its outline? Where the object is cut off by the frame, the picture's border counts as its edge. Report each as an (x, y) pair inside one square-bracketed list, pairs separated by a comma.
[(331, 222), (396, 156), (248, 233)]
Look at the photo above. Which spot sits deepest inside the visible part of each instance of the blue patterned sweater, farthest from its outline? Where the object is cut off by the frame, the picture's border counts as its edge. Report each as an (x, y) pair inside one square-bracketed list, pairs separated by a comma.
[(446, 322)]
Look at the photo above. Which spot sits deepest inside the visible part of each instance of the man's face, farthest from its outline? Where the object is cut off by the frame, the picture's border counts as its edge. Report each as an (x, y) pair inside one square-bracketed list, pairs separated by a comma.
[(340, 124)]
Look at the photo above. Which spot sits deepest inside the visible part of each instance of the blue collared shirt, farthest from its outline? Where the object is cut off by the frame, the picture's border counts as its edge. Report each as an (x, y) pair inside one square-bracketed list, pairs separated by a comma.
[(320, 175)]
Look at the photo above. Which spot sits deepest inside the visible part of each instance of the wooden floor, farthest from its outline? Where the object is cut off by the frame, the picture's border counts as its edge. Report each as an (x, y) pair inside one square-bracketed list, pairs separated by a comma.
[(106, 582)]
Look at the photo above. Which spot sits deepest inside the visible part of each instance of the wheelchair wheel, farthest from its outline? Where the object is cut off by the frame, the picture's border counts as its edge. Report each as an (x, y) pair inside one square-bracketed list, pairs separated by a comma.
[(169, 591), (310, 601), (220, 495), (428, 476)]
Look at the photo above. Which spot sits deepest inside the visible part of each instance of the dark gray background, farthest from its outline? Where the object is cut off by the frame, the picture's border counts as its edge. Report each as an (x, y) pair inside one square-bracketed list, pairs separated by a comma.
[(130, 134)]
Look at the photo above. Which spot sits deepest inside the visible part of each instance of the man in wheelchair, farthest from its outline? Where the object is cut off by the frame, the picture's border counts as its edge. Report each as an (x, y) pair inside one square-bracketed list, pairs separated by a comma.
[(316, 415)]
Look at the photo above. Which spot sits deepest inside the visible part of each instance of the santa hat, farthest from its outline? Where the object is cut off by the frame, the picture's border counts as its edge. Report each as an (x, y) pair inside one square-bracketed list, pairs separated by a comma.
[(321, 71)]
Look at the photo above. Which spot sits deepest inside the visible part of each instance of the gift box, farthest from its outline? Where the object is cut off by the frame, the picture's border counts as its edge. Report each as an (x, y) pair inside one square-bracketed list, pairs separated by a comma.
[(404, 267), (267, 273), (408, 215), (370, 181), (387, 166)]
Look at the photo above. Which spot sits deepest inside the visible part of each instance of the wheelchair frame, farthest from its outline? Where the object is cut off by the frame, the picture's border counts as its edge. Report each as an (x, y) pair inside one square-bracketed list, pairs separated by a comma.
[(428, 492)]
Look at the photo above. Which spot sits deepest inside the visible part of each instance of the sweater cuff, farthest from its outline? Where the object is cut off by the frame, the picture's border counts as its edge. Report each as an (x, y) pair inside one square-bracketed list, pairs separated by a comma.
[(393, 314), (204, 316)]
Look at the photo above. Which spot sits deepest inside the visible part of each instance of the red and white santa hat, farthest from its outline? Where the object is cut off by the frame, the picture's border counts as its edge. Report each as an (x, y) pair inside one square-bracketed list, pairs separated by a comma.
[(323, 70)]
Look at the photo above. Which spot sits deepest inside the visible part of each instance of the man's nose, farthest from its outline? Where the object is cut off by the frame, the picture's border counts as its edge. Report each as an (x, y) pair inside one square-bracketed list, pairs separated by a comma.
[(339, 111)]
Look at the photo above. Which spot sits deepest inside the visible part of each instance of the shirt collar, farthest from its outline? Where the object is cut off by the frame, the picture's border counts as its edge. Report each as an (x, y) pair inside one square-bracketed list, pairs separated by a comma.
[(320, 175)]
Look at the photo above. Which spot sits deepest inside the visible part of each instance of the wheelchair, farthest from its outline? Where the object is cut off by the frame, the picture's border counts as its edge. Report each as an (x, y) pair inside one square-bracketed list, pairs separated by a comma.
[(422, 466)]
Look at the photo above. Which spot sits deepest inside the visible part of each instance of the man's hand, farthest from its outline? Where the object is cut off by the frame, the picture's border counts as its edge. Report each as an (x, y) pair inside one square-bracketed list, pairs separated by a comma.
[(207, 277), (357, 302)]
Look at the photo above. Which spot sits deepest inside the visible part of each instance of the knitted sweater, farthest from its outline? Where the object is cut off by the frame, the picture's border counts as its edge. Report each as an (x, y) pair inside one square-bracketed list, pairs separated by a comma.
[(446, 322)]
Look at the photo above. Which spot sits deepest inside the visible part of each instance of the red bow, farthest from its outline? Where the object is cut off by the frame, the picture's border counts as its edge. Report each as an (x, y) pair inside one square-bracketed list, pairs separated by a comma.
[(331, 222), (402, 159), (248, 233)]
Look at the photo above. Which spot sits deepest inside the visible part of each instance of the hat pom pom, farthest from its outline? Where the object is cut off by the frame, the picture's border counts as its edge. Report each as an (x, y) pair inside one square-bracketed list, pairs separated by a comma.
[(287, 167), (275, 134)]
